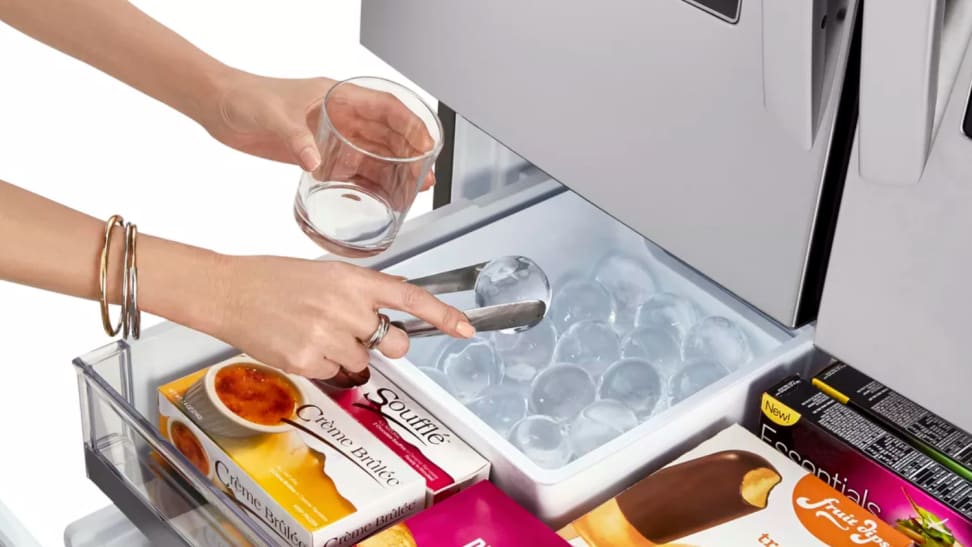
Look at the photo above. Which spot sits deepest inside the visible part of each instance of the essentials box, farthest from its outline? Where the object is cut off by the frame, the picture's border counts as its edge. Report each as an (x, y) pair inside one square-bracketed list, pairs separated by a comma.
[(884, 474), (446, 462), (731, 490), (481, 516), (942, 440), (288, 454)]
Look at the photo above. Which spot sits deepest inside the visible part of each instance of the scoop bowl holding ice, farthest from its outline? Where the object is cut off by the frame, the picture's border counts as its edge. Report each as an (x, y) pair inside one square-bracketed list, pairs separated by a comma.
[(509, 280)]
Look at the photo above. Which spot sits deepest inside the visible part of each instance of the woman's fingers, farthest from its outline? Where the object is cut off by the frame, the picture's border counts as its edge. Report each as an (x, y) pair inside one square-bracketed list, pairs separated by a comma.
[(312, 364), (387, 109), (429, 181), (349, 353), (393, 293), (395, 344)]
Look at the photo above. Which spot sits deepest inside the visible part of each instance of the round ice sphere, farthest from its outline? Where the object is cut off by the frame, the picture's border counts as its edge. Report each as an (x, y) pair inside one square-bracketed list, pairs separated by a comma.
[(561, 391), (500, 407), (579, 300), (718, 339), (526, 353), (633, 382), (657, 345), (591, 344), (630, 282), (695, 376), (668, 310), (438, 377), (598, 423), (543, 440), (511, 279), (470, 366)]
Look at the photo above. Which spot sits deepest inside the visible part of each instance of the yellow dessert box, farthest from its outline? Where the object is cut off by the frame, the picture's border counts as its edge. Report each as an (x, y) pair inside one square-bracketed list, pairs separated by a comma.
[(287, 454)]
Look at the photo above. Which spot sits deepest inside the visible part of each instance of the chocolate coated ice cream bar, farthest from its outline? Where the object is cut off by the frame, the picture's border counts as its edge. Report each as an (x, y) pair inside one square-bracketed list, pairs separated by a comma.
[(680, 500)]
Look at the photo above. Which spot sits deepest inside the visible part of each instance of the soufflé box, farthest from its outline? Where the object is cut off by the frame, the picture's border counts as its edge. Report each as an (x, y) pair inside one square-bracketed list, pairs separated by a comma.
[(480, 516), (287, 454), (731, 490), (435, 452)]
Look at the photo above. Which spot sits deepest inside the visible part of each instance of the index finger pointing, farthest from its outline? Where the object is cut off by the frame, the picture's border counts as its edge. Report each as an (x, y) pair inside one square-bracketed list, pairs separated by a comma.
[(403, 296)]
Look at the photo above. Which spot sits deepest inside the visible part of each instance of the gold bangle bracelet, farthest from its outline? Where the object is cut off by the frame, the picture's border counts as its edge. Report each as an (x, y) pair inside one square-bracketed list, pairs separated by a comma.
[(132, 314), (115, 220)]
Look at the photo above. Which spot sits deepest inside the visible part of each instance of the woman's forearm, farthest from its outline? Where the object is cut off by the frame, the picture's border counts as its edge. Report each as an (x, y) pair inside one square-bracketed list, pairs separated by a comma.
[(122, 41), (49, 246)]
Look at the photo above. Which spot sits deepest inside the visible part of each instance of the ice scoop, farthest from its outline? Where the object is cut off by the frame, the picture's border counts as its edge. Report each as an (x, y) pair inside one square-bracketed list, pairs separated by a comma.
[(512, 295)]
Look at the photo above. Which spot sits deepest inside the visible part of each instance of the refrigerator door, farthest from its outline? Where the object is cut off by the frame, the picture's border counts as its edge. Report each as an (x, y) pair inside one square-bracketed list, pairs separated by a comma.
[(896, 302), (705, 126)]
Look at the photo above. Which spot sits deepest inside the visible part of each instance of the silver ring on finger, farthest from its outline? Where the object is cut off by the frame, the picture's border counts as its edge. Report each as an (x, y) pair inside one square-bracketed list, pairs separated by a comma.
[(380, 332)]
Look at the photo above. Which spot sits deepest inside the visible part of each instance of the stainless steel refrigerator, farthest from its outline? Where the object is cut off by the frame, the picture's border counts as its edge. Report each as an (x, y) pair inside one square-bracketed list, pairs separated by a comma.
[(804, 168)]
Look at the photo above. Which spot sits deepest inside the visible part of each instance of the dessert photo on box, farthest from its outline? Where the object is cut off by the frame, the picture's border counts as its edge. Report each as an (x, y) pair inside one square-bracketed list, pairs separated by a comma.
[(730, 490), (287, 454)]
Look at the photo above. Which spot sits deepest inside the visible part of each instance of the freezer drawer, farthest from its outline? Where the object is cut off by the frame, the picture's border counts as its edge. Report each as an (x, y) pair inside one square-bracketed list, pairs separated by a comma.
[(126, 456), (174, 505)]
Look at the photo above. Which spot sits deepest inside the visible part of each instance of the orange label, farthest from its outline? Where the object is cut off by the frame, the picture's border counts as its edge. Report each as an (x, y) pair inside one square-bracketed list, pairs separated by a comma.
[(837, 521)]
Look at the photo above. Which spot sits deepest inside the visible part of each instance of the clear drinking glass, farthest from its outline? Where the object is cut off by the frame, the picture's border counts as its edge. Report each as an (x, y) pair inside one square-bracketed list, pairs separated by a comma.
[(378, 141)]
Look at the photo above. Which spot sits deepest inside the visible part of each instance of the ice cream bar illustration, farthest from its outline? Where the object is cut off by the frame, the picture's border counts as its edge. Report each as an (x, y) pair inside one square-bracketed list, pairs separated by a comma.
[(682, 499)]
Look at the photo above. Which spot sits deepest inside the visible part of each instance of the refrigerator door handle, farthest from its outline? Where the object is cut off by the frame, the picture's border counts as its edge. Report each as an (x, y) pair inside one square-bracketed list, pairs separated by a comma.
[(794, 51), (900, 49)]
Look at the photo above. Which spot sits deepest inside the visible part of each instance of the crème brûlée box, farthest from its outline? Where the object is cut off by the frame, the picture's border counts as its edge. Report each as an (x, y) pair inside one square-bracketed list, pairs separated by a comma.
[(732, 489), (287, 454), (433, 450), (480, 516)]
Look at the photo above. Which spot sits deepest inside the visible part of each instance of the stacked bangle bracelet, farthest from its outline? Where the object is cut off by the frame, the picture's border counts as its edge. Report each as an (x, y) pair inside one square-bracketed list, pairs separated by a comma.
[(129, 324)]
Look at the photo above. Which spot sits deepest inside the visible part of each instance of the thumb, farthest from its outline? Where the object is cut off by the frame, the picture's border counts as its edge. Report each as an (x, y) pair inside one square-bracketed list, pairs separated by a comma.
[(302, 145)]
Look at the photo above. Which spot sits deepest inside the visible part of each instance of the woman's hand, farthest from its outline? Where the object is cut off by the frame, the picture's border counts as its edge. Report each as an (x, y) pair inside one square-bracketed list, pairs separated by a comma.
[(268, 117), (304, 316), (272, 118), (308, 317), (277, 119)]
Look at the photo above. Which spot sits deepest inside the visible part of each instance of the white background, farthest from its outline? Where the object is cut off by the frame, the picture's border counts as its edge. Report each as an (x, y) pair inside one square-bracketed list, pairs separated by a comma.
[(77, 136)]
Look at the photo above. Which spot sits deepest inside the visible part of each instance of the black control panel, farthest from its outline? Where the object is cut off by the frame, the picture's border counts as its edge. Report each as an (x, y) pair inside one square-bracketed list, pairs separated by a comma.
[(727, 10), (967, 125)]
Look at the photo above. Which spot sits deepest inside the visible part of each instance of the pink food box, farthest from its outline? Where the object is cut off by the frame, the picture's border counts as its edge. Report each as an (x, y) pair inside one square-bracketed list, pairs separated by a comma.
[(480, 516), (446, 462)]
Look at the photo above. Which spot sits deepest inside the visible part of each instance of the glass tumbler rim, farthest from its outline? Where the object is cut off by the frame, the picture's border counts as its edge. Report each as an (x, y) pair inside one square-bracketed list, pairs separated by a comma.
[(432, 152)]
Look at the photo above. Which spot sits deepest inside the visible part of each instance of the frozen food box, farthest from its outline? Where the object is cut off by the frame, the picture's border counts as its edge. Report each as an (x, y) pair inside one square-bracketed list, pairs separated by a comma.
[(868, 463), (446, 462), (287, 454), (731, 490), (480, 516), (948, 444)]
